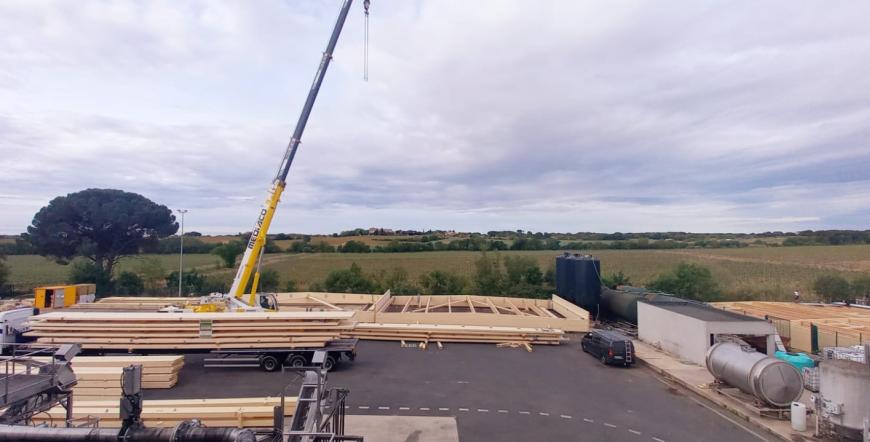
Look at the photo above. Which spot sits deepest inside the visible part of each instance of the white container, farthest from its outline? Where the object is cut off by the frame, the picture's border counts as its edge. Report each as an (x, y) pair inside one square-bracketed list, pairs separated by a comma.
[(798, 416)]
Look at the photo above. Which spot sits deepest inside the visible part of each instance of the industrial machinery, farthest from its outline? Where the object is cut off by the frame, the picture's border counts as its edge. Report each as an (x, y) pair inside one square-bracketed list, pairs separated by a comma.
[(12, 325), (29, 386), (253, 255), (770, 380), (843, 400)]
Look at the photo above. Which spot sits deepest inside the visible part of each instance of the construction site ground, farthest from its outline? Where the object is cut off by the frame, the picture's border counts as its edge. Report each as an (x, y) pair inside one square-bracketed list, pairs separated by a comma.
[(699, 381), (553, 393)]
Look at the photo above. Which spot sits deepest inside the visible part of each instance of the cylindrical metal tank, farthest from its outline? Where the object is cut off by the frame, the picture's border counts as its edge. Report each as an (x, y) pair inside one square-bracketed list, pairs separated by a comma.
[(844, 387), (769, 379), (565, 278), (623, 303), (587, 282)]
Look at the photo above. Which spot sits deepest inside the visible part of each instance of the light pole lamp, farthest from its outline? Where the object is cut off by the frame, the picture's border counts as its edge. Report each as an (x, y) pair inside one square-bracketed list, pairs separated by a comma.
[(181, 251)]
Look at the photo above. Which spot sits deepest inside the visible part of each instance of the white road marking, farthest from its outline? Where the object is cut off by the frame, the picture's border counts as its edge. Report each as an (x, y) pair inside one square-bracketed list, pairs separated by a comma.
[(609, 425), (424, 409), (524, 412), (443, 409), (658, 440), (634, 431), (564, 416), (404, 408), (589, 420), (502, 411), (383, 408), (463, 409), (544, 414), (728, 418), (363, 407), (483, 410)]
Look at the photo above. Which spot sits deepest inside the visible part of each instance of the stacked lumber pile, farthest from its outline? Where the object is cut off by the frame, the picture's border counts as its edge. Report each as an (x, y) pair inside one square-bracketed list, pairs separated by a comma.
[(133, 304), (157, 371), (232, 412), (455, 333), (170, 331)]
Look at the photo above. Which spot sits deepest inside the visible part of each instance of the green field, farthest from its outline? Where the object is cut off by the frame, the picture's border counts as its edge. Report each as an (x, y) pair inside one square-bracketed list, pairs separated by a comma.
[(757, 272), (31, 270)]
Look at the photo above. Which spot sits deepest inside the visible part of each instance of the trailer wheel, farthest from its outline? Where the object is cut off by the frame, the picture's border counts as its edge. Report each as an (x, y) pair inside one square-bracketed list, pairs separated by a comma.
[(296, 361), (329, 363), (270, 363)]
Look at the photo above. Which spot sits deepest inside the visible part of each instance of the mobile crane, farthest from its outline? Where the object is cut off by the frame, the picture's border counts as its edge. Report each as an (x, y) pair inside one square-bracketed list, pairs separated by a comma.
[(252, 257)]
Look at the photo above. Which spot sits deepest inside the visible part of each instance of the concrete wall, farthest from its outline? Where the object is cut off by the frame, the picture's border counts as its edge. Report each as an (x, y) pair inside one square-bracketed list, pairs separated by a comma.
[(679, 335), (688, 338)]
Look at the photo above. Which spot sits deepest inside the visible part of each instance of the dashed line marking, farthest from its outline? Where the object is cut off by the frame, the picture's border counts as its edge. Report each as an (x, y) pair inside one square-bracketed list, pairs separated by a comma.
[(634, 431), (524, 412), (658, 440), (544, 414), (347, 407), (404, 408), (609, 425), (483, 410), (383, 408), (443, 409), (502, 411), (424, 409), (592, 421), (363, 407), (564, 416), (463, 409)]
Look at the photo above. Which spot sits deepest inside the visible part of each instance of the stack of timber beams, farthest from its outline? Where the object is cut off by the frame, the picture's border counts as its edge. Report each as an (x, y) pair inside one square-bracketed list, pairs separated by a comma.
[(456, 333), (185, 331), (158, 371), (134, 303), (254, 412)]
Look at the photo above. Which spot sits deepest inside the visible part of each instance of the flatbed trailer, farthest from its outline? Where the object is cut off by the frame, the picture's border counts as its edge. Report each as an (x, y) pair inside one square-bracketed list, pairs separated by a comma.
[(272, 359)]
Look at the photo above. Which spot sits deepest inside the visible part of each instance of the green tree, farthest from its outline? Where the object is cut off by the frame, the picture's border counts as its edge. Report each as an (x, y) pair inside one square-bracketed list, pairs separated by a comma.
[(354, 247), (4, 271), (523, 269), (229, 252), (102, 225), (192, 283), (270, 280), (398, 282), (439, 282), (130, 284), (861, 286), (488, 277), (291, 286), (831, 288), (690, 281), (615, 280), (87, 272), (351, 280)]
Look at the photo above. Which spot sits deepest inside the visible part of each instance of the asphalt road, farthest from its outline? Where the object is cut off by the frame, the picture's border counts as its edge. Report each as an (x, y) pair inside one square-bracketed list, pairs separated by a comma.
[(506, 394)]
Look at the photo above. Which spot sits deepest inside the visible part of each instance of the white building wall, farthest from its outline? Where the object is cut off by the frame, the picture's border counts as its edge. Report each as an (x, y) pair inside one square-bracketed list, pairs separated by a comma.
[(682, 336)]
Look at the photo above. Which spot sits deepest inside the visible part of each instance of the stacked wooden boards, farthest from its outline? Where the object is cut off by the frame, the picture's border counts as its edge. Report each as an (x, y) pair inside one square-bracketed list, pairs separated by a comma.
[(456, 333), (180, 331), (231, 412), (134, 303), (96, 372)]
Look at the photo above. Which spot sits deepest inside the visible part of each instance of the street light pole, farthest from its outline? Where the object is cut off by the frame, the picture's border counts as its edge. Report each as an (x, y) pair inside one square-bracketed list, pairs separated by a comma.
[(181, 252)]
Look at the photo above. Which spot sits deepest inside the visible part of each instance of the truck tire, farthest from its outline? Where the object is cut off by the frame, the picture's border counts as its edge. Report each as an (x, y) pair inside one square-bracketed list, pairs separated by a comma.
[(297, 361), (329, 363), (270, 363)]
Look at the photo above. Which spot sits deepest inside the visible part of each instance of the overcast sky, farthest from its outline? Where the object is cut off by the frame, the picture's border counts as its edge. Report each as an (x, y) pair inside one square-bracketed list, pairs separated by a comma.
[(485, 115)]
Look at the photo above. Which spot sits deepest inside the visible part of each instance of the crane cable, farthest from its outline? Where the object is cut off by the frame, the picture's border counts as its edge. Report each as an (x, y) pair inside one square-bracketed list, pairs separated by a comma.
[(366, 44)]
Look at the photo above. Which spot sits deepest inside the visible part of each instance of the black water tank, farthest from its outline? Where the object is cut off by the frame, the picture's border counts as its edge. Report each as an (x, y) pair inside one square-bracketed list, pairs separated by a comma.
[(578, 280)]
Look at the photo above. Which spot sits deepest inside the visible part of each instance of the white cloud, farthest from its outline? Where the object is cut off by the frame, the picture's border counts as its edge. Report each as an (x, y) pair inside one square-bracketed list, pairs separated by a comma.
[(708, 116)]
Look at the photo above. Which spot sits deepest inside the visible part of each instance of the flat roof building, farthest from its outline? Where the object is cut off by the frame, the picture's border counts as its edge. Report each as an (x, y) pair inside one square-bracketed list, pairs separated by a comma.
[(688, 329)]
